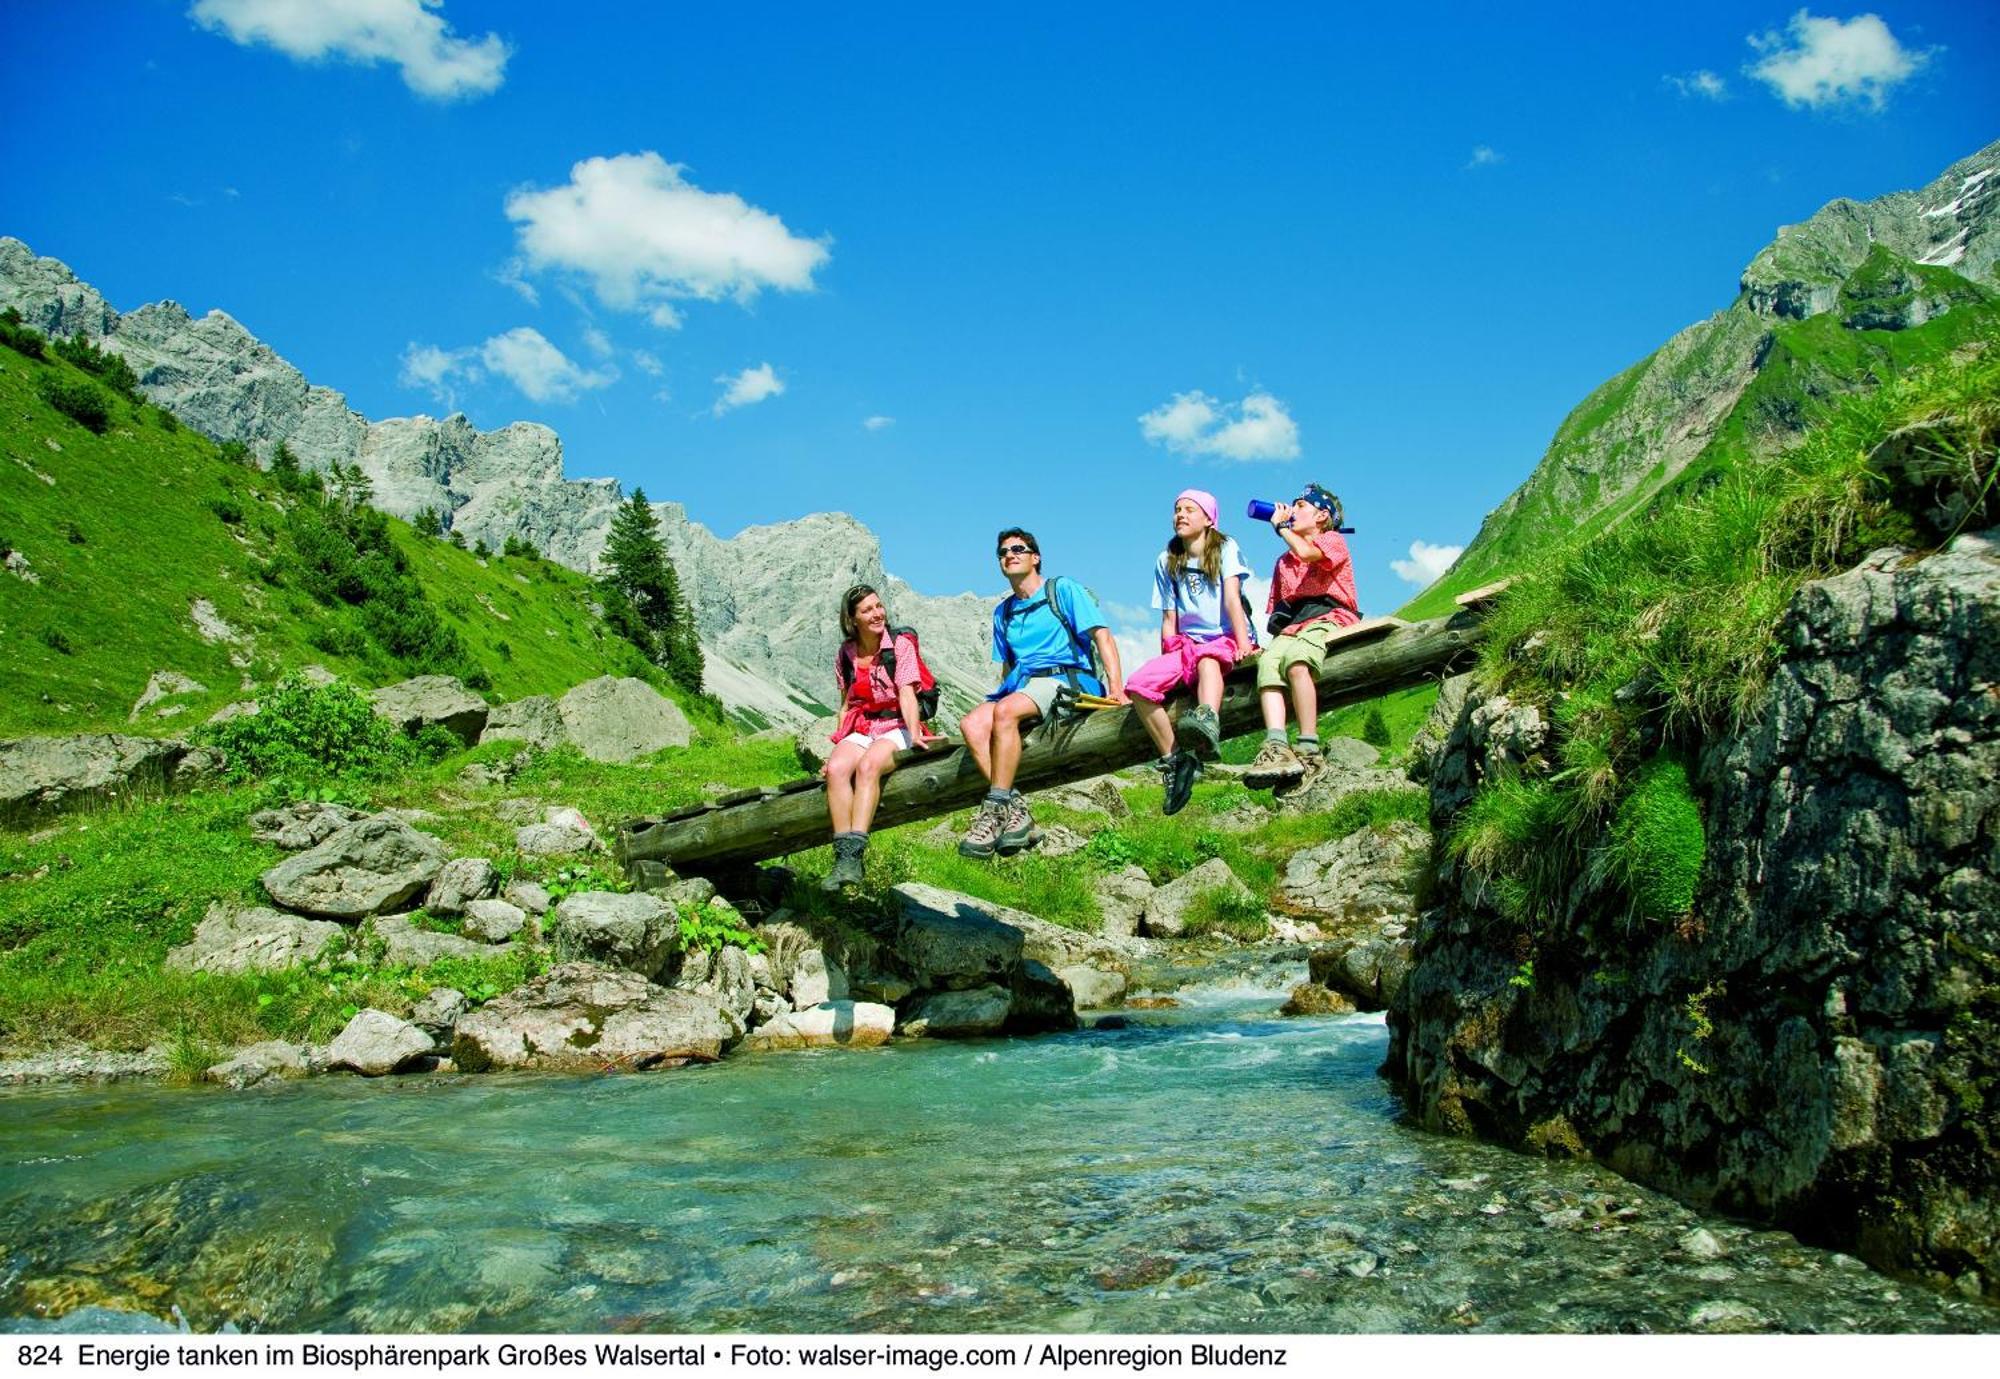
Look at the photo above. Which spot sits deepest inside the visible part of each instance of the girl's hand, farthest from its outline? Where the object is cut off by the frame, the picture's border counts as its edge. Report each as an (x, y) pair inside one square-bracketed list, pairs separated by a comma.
[(824, 768)]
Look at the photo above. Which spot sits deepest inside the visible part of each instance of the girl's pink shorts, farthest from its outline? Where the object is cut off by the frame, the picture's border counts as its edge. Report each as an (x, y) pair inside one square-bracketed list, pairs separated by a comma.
[(1174, 670)]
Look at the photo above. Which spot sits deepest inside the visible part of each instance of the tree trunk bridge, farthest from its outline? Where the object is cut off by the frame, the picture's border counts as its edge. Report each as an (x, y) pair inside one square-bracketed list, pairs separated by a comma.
[(1368, 659)]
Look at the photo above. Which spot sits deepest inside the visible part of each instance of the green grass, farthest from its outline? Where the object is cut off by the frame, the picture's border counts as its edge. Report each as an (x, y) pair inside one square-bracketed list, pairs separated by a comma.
[(127, 529)]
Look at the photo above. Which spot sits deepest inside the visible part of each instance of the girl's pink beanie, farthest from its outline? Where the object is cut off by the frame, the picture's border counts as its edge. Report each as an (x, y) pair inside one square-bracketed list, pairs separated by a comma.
[(1204, 501)]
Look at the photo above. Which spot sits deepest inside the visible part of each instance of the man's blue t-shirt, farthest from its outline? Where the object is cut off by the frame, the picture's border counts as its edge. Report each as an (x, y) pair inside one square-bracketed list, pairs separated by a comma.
[(1039, 641)]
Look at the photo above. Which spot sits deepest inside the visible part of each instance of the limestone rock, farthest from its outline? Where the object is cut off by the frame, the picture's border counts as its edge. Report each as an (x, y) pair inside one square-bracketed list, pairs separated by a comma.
[(531, 896), (581, 1017), (493, 921), (1098, 795), (724, 973), (44, 775), (563, 832), (259, 1063), (619, 719), (368, 867), (533, 720), (1093, 988), (831, 1024), (815, 979), (1365, 962), (949, 939), (253, 940), (638, 932), (1369, 874), (302, 824), (432, 700), (1310, 998), (1167, 907), (405, 945), (960, 1014), (376, 1043), (814, 742), (1121, 898), (163, 684), (437, 1014), (458, 883)]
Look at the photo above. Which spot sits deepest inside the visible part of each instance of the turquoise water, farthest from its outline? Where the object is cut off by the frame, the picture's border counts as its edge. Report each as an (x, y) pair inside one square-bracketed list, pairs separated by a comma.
[(1209, 1168)]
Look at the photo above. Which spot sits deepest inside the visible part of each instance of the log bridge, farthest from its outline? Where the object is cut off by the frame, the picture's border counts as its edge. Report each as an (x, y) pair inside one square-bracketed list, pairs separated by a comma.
[(739, 829)]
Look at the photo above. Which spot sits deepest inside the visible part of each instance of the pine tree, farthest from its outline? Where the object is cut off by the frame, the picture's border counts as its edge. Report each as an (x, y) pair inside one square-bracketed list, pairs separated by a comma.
[(1375, 728), (638, 574), (428, 523)]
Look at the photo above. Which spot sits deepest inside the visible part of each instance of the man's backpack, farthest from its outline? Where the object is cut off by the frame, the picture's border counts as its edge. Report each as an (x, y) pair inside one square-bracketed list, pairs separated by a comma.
[(927, 685)]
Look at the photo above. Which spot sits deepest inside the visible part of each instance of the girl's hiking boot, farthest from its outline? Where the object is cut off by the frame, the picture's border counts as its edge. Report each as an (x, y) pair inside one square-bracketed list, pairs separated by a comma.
[(1181, 770), (1276, 764), (1201, 731), (982, 839), (1017, 829), (847, 855)]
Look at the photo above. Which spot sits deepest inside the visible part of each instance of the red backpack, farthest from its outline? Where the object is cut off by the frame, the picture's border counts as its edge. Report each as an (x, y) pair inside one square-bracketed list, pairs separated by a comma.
[(927, 686)]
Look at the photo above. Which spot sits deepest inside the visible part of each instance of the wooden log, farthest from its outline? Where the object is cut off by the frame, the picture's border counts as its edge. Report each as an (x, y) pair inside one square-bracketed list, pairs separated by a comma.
[(1367, 660)]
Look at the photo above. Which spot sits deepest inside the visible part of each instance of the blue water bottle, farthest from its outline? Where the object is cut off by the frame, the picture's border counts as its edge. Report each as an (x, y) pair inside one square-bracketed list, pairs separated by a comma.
[(1260, 510)]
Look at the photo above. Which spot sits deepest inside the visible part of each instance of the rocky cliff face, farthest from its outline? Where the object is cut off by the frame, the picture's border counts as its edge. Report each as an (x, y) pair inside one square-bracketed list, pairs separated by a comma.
[(1819, 1045), (1899, 263), (765, 598)]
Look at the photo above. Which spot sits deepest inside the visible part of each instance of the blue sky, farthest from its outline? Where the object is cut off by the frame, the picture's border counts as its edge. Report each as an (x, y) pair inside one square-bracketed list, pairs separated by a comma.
[(946, 269)]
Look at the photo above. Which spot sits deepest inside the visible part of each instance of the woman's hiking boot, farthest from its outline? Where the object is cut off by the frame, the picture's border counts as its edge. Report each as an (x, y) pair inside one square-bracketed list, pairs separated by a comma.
[(1201, 731), (982, 839), (1181, 770), (1017, 829), (848, 850), (1276, 764)]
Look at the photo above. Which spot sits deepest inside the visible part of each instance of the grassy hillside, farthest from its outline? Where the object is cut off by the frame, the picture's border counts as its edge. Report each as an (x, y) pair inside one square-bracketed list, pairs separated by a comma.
[(117, 534)]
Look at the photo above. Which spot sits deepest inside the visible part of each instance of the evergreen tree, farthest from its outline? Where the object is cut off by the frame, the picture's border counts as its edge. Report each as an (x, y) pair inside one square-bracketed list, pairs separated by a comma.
[(428, 523), (638, 576), (1375, 728)]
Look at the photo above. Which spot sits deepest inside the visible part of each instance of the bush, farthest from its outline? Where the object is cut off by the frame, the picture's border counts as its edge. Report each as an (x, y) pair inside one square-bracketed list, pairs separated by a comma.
[(236, 453), (56, 640), (227, 508), (20, 338), (1375, 728), (304, 732), (82, 403), (112, 368), (167, 420)]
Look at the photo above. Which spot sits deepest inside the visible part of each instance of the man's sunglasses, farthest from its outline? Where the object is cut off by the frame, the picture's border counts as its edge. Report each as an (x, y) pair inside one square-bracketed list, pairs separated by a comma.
[(1015, 550)]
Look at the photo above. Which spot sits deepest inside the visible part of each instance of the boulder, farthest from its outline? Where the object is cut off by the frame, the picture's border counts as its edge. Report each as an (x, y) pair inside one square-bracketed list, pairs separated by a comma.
[(562, 832), (949, 940), (848, 1024), (376, 1043), (260, 1063), (1310, 998), (252, 940), (637, 932), (45, 775), (1042, 1000), (369, 867), (458, 883), (1333, 780), (1098, 795), (534, 720), (405, 945), (302, 824), (164, 684), (1059, 840), (1167, 907), (1121, 899), (620, 719), (1092, 988), (815, 979), (428, 700), (531, 896), (814, 742), (437, 1014), (493, 921), (1367, 964), (1370, 874), (960, 1014), (724, 973), (581, 1017)]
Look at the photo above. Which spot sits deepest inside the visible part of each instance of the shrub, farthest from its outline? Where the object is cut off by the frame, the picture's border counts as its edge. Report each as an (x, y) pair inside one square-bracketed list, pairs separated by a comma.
[(112, 368), (1375, 728), (1657, 845), (307, 732), (167, 420), (19, 337), (58, 641), (236, 453), (227, 508), (82, 403)]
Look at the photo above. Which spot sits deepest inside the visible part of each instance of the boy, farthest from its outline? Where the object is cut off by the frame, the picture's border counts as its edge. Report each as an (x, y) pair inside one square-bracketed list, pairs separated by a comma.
[(1312, 596)]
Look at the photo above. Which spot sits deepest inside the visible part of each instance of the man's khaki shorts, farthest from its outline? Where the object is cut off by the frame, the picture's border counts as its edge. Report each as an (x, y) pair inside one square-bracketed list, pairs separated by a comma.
[(1307, 646), (1042, 689)]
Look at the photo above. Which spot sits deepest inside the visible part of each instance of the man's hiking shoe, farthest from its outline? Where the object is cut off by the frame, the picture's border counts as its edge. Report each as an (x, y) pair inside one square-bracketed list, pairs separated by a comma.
[(1017, 830), (847, 855), (982, 839), (1181, 771), (1276, 764), (1200, 732)]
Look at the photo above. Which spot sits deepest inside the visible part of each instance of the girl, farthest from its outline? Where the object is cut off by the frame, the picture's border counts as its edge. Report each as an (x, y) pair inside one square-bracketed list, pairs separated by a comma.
[(1312, 591), (878, 719), (1198, 588)]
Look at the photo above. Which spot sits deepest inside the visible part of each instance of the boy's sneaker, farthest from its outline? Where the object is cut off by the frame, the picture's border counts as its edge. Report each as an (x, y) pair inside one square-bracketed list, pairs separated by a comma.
[(1276, 764), (1311, 762), (983, 837), (1017, 828), (1201, 731), (1181, 770)]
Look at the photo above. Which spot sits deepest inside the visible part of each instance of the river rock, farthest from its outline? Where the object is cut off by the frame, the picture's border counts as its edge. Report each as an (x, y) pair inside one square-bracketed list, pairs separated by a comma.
[(960, 1014), (1366, 962), (638, 932), (534, 720), (376, 1043), (844, 1024), (301, 824), (458, 883), (1310, 998), (255, 939), (724, 973), (1370, 874), (45, 775), (406, 945), (80, 1064), (437, 1014), (1093, 988), (619, 719), (581, 1017), (815, 979), (1121, 899), (493, 921), (1167, 907), (1041, 1000), (259, 1063), (950, 940), (432, 700), (368, 867)]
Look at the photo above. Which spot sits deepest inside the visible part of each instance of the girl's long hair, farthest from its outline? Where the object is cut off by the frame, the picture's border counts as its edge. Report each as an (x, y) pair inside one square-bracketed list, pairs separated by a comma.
[(1211, 557), (850, 601)]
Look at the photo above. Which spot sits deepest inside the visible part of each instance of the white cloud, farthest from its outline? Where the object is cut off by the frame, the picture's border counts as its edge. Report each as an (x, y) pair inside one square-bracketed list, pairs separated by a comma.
[(1829, 62), (648, 362), (1485, 157), (408, 33), (645, 238), (509, 274), (1426, 563), (1703, 84), (598, 342), (879, 423), (748, 388), (521, 356), (1257, 428)]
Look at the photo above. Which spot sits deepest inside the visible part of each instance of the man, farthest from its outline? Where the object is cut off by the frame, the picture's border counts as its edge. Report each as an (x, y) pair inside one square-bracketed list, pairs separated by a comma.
[(1042, 635)]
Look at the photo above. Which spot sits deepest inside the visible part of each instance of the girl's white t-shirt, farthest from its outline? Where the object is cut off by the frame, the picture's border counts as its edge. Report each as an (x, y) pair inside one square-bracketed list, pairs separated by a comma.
[(1194, 597)]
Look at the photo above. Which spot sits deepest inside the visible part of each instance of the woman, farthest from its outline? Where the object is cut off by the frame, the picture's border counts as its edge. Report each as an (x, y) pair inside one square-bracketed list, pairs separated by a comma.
[(878, 674)]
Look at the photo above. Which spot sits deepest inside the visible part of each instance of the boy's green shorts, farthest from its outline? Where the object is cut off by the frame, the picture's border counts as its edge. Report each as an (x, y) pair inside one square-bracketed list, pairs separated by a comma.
[(1288, 649)]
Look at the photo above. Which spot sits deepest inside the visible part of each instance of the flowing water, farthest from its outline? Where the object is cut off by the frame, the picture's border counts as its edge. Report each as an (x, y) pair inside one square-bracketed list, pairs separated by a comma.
[(1208, 1168)]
